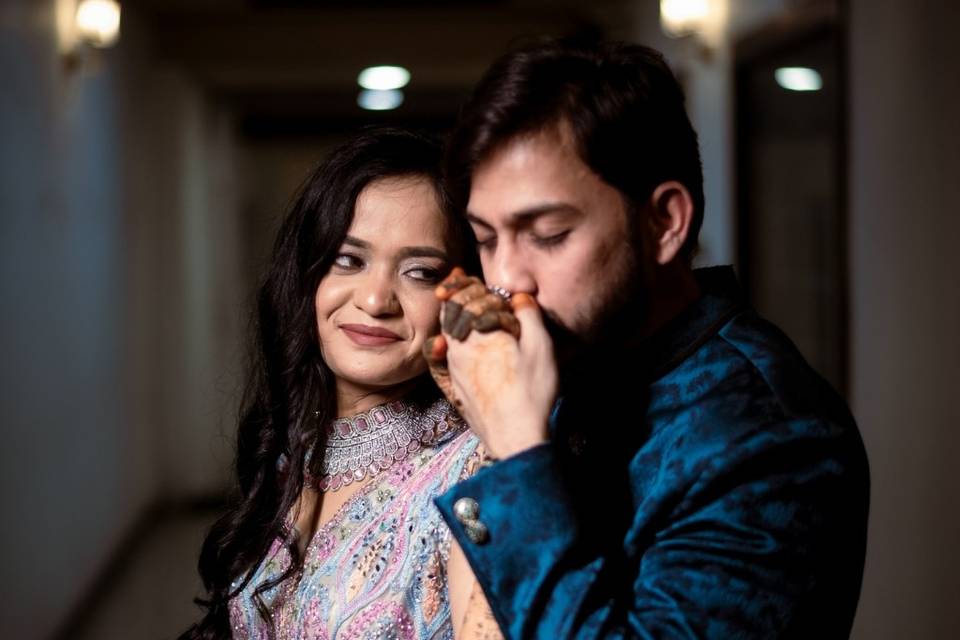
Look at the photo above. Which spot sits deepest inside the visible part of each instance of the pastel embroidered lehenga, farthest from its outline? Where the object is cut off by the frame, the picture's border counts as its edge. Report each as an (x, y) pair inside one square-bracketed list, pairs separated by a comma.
[(377, 569)]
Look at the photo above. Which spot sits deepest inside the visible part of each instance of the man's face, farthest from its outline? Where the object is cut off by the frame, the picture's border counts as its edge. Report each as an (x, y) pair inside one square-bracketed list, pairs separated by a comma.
[(547, 225)]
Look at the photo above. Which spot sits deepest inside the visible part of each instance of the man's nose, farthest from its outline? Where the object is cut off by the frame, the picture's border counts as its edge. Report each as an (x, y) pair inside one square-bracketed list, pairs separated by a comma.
[(377, 295), (509, 270)]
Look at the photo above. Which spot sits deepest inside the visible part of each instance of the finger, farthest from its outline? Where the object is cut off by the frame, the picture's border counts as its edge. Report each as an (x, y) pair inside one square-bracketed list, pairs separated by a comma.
[(485, 303), (441, 375), (449, 314), (487, 321), (460, 329), (497, 320), (520, 300), (449, 285), (528, 314), (454, 319), (435, 349), (475, 289), (510, 323), (457, 280)]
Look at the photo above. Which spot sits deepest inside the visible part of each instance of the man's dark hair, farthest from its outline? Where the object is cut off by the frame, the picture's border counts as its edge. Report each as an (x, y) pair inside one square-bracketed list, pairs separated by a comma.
[(623, 104)]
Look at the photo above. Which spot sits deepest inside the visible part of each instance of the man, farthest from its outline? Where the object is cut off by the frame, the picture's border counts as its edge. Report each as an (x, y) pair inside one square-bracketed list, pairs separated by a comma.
[(666, 463)]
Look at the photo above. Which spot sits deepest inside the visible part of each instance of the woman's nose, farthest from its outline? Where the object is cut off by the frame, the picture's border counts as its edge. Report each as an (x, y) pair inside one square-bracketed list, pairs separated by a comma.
[(377, 296)]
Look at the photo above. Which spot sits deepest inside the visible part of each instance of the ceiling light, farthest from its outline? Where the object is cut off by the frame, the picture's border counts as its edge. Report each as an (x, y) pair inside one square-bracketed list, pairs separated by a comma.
[(380, 99), (798, 79), (383, 78)]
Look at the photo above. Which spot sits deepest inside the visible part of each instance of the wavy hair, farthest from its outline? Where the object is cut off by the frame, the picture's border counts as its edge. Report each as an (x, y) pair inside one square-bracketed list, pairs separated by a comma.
[(290, 391)]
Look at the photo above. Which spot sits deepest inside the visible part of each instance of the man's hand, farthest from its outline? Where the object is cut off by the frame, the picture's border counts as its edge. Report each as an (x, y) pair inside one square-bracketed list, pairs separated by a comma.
[(503, 382)]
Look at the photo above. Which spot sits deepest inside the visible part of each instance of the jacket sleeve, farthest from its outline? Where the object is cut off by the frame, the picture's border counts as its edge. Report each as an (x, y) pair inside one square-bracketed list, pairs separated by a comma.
[(761, 539)]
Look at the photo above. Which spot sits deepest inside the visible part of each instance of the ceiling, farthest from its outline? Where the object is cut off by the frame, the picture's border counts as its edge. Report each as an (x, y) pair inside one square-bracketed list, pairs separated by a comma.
[(288, 66)]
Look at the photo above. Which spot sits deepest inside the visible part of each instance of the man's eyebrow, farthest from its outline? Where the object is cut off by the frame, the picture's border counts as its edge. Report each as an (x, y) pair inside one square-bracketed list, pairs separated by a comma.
[(525, 216)]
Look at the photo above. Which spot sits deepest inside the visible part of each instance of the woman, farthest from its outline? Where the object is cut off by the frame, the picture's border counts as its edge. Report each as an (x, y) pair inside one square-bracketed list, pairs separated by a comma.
[(343, 440)]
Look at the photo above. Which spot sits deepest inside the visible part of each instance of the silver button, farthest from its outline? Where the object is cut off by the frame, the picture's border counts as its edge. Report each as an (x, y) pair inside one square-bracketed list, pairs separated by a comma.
[(466, 510), (477, 532)]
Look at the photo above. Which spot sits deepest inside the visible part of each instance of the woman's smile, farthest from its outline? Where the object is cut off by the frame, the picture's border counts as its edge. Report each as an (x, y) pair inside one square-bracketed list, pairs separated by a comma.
[(367, 336)]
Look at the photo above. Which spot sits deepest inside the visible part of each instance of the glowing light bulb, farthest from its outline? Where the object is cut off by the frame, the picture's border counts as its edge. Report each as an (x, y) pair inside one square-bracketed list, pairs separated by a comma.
[(683, 17), (98, 22), (798, 79), (383, 78)]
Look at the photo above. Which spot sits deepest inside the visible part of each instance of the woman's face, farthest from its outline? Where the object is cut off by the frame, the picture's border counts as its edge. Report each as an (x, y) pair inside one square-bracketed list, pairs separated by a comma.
[(376, 305)]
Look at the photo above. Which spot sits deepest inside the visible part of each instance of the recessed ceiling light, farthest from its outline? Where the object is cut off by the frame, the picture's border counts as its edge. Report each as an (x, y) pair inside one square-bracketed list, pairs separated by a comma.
[(383, 78), (380, 99), (798, 79)]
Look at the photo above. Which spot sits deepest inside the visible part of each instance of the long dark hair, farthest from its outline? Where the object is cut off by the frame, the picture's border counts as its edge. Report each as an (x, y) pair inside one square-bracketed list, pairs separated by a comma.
[(290, 391)]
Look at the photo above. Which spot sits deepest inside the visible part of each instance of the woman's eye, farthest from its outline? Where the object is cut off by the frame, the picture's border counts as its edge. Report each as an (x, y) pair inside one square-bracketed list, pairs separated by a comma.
[(424, 274), (347, 261)]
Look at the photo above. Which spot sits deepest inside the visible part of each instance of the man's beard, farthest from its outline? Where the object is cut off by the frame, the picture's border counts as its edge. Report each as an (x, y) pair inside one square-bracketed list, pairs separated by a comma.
[(618, 312)]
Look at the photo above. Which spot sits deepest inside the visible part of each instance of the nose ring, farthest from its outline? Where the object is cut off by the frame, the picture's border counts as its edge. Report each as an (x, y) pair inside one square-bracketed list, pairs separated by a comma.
[(500, 291)]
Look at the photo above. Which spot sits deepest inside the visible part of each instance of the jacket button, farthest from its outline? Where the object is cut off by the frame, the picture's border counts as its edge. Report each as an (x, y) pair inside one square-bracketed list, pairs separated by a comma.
[(477, 532), (466, 510)]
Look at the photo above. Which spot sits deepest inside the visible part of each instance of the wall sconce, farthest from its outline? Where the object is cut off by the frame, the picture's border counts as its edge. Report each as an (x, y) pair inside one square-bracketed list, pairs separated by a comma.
[(98, 22), (680, 18), (704, 20), (84, 24)]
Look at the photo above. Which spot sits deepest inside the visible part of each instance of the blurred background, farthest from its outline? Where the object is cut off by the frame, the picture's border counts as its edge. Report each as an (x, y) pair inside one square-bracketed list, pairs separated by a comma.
[(143, 172)]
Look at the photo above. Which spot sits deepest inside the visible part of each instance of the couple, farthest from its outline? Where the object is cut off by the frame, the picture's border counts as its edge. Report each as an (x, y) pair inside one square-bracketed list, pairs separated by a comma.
[(639, 454)]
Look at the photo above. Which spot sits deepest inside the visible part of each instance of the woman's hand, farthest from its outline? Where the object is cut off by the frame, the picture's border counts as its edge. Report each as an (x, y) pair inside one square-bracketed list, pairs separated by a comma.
[(468, 306), (503, 382)]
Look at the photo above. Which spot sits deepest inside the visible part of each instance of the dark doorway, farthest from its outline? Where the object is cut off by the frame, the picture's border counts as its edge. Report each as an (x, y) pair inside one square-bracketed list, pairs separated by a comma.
[(791, 184)]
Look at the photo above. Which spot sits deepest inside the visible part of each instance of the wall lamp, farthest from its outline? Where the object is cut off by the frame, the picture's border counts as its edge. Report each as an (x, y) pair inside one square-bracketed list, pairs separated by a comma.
[(84, 24), (703, 20)]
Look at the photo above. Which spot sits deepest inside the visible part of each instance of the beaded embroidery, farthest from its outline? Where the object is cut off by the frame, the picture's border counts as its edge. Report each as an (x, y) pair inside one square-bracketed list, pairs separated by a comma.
[(377, 569)]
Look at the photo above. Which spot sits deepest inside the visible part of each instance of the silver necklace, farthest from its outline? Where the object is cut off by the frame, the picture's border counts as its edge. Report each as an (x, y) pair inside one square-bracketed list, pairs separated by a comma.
[(370, 442)]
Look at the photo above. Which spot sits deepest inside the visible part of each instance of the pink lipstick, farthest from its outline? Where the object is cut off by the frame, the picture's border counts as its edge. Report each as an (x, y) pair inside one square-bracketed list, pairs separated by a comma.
[(367, 336)]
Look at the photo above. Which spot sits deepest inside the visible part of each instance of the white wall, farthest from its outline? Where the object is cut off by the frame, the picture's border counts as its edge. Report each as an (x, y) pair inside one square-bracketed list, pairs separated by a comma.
[(905, 306), (203, 309), (119, 297)]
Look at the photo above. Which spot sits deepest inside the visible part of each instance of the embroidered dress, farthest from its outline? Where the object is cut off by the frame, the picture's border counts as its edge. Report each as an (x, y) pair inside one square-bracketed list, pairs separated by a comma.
[(377, 569)]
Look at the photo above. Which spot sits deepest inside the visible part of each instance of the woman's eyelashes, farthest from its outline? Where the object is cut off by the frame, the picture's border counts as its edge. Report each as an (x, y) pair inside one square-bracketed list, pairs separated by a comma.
[(425, 274), (347, 263)]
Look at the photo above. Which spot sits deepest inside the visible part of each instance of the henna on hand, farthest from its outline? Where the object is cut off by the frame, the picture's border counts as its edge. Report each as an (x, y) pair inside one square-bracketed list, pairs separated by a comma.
[(478, 622), (468, 306), (457, 318), (456, 280), (435, 353), (494, 320)]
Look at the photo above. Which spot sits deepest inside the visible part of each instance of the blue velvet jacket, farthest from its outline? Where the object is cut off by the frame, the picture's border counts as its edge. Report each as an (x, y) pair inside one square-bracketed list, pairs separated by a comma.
[(706, 483)]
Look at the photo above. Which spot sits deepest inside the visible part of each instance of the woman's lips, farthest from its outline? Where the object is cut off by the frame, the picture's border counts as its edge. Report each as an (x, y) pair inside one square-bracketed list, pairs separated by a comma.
[(368, 336)]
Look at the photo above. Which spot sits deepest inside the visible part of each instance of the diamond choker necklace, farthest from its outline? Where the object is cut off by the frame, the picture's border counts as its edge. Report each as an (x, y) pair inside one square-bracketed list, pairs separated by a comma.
[(367, 443)]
